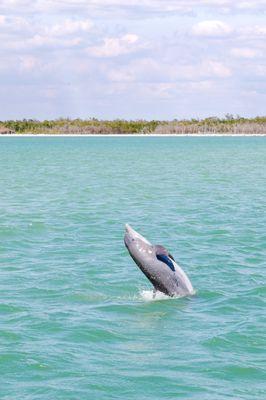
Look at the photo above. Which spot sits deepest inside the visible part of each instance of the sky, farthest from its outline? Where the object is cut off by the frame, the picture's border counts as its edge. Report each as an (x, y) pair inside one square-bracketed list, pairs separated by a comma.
[(151, 59)]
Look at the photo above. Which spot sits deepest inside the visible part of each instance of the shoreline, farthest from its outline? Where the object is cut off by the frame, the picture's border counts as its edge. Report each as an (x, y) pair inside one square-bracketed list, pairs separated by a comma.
[(133, 135), (211, 126)]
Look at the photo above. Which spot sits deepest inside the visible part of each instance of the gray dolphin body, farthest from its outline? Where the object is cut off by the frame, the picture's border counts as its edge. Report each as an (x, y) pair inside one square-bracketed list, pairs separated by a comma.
[(158, 265)]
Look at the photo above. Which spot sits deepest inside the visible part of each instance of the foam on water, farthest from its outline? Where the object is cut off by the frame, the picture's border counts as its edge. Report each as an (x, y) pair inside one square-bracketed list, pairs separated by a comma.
[(147, 295)]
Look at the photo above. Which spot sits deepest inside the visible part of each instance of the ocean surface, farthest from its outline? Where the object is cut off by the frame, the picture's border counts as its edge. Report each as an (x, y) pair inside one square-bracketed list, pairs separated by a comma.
[(77, 319)]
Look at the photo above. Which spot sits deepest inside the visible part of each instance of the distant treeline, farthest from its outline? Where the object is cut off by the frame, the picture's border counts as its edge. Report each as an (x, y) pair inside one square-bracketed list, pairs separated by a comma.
[(228, 125)]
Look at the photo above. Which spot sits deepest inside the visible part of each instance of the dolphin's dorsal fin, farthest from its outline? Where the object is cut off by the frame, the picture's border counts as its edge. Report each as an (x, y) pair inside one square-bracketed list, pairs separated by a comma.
[(159, 249)]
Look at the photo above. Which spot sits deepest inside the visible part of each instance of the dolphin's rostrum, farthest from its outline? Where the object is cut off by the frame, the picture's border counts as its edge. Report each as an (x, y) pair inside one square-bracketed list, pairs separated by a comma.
[(158, 265)]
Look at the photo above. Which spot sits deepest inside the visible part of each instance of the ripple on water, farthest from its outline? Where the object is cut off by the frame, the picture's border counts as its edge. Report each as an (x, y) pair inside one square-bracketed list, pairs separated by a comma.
[(78, 319)]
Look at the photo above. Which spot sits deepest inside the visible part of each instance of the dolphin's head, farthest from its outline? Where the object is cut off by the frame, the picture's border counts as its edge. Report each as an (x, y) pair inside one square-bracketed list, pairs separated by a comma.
[(133, 239), (139, 248)]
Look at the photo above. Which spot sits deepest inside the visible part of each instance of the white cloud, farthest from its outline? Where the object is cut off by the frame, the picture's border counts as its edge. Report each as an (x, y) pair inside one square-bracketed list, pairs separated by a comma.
[(152, 71), (116, 46), (40, 41), (215, 69), (253, 31), (2, 20), (62, 44), (250, 5), (211, 28), (201, 86), (259, 30), (29, 63), (49, 92), (141, 70), (205, 70), (121, 75), (20, 34), (13, 23), (130, 7), (69, 27), (48, 41), (260, 70), (244, 52)]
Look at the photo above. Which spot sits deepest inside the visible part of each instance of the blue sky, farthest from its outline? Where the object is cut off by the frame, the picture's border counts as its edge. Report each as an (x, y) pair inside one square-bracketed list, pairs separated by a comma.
[(154, 59)]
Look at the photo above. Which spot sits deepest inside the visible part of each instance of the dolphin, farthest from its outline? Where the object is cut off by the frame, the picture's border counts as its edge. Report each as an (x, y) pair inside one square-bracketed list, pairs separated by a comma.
[(158, 265)]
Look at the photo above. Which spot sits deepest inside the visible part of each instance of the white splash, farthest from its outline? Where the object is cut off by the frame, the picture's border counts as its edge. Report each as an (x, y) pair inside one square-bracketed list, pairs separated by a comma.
[(147, 295)]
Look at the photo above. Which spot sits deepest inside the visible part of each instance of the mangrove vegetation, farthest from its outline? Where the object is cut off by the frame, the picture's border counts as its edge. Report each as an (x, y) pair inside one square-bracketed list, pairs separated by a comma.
[(213, 125)]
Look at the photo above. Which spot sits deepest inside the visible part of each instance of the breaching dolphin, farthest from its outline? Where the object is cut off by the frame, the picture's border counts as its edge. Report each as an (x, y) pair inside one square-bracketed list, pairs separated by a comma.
[(158, 265)]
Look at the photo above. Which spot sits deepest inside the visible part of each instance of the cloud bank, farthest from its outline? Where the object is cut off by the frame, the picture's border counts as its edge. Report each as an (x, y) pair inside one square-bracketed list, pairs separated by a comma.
[(116, 59)]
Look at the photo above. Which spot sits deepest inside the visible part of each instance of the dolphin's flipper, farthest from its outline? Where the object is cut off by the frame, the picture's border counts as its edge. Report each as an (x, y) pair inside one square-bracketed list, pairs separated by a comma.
[(166, 260)]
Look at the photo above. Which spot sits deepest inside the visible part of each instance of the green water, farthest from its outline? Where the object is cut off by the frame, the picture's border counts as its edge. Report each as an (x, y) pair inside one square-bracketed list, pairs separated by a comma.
[(76, 318)]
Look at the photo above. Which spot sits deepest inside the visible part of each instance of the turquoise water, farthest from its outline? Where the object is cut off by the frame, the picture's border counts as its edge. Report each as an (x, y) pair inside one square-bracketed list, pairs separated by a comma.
[(76, 316)]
